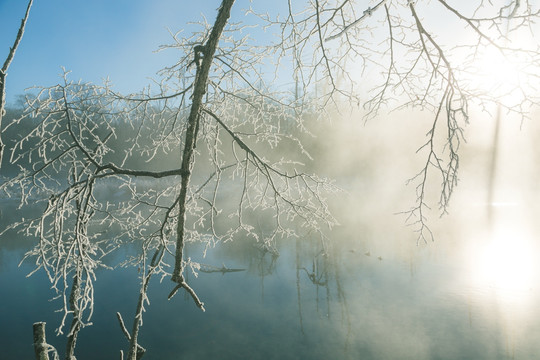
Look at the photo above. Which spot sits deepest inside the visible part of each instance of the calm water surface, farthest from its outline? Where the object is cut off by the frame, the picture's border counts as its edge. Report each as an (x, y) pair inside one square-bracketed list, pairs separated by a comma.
[(370, 293)]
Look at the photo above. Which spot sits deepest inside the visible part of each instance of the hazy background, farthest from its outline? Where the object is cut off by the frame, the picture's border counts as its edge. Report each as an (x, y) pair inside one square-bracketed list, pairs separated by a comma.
[(426, 300)]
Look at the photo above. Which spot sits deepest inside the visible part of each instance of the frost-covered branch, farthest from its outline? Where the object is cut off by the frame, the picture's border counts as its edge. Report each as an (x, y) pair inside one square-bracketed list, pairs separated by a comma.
[(4, 72)]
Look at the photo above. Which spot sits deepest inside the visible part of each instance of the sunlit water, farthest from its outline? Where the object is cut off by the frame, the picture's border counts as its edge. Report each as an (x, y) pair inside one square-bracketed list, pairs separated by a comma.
[(373, 294)]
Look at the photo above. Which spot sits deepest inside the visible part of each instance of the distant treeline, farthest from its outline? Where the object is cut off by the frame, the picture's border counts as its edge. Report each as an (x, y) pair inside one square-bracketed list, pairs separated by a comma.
[(124, 152), (24, 125)]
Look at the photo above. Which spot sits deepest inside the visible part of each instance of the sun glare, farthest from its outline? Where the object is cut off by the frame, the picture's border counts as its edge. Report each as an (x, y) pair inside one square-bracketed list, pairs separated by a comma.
[(506, 263), (497, 75)]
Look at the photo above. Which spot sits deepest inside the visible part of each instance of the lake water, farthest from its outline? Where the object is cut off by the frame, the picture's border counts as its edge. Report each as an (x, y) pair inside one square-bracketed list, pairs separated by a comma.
[(368, 293)]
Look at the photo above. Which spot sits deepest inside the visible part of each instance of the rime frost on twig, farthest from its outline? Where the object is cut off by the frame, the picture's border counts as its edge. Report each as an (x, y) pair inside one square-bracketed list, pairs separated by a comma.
[(106, 168), (413, 65)]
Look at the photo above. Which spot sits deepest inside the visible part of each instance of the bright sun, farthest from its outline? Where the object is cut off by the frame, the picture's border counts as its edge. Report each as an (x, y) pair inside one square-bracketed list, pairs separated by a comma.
[(506, 262), (498, 75)]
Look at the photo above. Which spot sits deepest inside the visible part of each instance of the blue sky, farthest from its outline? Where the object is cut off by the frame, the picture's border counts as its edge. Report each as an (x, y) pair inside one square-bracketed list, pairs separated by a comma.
[(95, 39)]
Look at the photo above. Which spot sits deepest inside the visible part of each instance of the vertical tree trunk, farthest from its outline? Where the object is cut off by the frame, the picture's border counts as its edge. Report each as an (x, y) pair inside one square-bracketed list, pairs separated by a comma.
[(40, 342), (201, 80), (3, 74), (76, 322)]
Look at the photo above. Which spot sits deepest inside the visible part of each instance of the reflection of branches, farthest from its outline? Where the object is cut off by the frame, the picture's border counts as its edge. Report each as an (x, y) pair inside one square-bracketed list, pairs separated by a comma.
[(315, 278), (214, 269), (267, 258), (325, 273), (108, 167), (318, 275), (298, 289)]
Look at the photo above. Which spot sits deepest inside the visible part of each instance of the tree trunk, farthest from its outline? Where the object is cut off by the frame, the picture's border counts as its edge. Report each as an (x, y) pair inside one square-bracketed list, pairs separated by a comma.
[(201, 80), (40, 342), (3, 73)]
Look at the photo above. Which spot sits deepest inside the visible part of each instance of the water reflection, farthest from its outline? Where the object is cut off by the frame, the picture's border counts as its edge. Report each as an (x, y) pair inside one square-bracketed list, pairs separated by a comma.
[(504, 275), (506, 262), (309, 299), (504, 255)]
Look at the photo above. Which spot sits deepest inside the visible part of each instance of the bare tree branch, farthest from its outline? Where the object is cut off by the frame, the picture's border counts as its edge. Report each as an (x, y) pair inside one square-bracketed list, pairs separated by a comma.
[(199, 90), (4, 72)]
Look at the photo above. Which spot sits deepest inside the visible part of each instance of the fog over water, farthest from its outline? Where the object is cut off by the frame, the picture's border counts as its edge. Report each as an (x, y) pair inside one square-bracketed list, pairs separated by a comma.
[(202, 177), (369, 291)]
